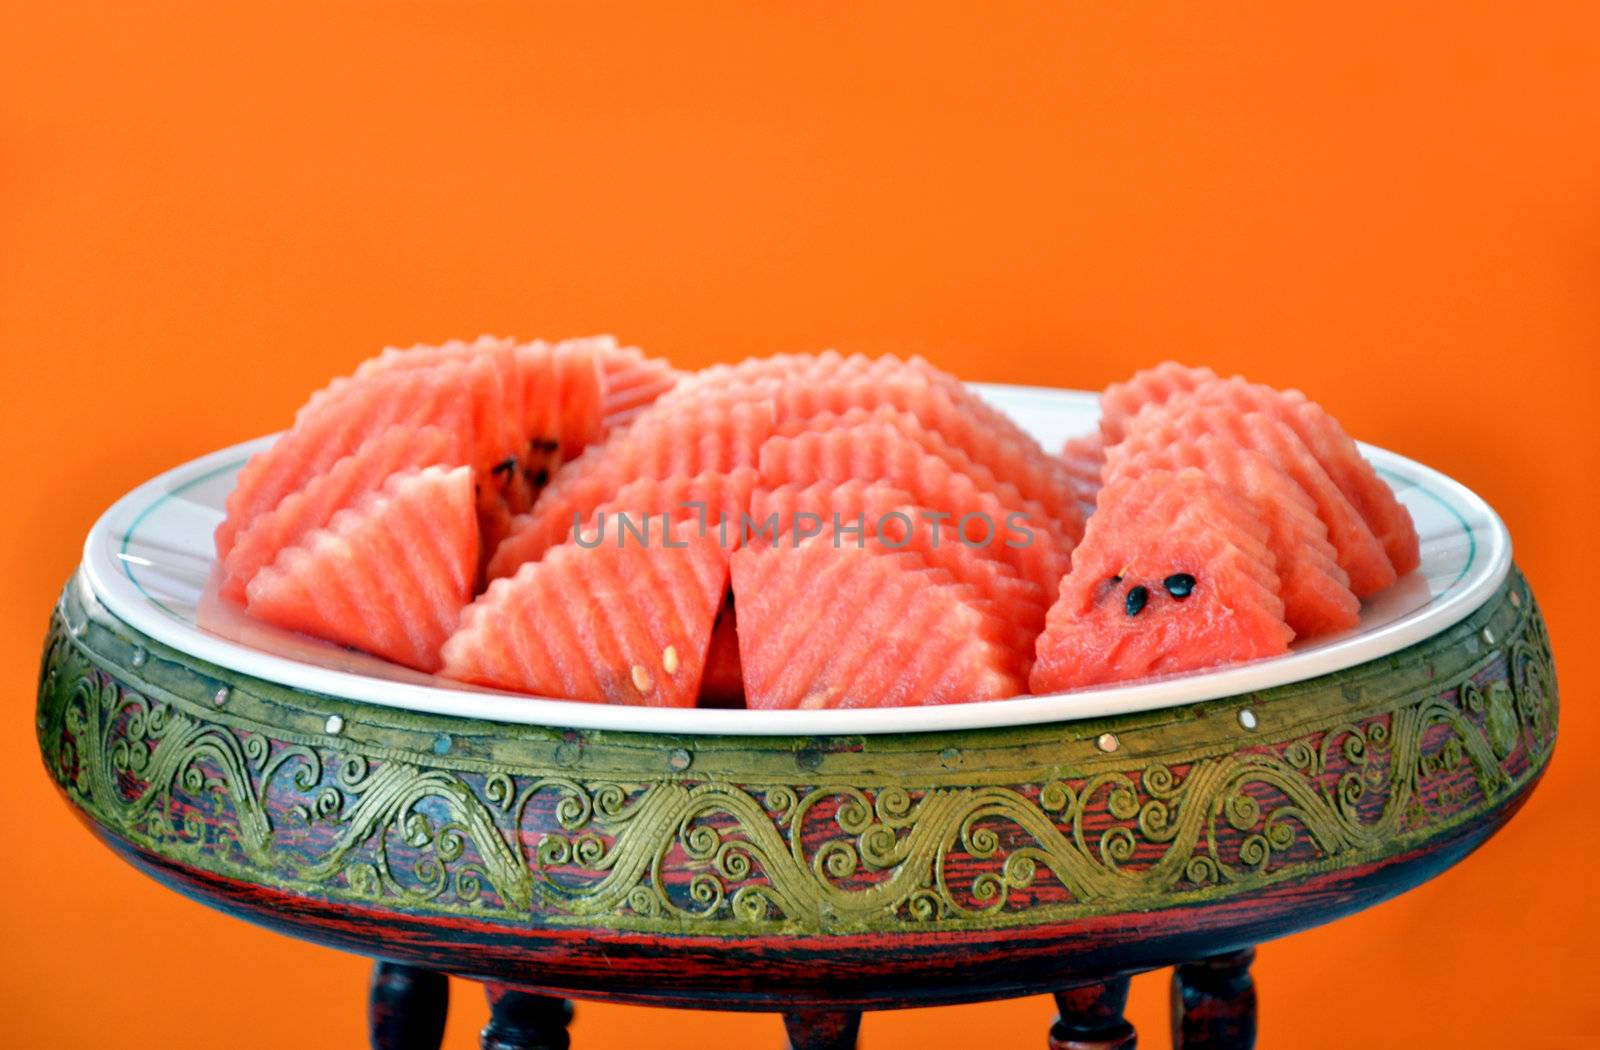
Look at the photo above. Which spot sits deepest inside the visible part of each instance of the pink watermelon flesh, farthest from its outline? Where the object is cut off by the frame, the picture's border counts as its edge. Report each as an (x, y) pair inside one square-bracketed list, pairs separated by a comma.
[(1338, 454), (621, 623), (388, 575), (1360, 554), (1316, 593), (395, 450), (1008, 530), (631, 382), (1084, 458), (669, 440), (875, 516), (1152, 386), (827, 625), (1174, 574), (802, 387), (336, 422), (712, 503), (935, 444)]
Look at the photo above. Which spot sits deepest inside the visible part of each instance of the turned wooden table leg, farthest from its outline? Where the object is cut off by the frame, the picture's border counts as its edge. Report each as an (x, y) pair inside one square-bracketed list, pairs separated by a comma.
[(822, 1029), (1214, 1003), (406, 1007), (1091, 1018), (524, 1021)]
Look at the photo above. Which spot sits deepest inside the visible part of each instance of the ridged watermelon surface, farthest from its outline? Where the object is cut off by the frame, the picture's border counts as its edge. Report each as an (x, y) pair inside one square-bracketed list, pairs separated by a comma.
[(668, 441), (622, 622), (1338, 454), (395, 450), (1174, 574), (388, 575), (874, 515), (1120, 402), (1315, 591), (1084, 457), (1360, 554), (830, 625), (1009, 527)]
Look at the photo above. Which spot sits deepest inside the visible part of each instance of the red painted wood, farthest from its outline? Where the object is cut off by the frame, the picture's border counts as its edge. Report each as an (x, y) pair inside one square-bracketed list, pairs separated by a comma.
[(1091, 1018), (1214, 1003), (520, 1020), (822, 1029), (406, 1007)]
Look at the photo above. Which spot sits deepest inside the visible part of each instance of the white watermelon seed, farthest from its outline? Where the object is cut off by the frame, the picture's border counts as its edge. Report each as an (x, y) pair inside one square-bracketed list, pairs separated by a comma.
[(669, 659), (641, 678)]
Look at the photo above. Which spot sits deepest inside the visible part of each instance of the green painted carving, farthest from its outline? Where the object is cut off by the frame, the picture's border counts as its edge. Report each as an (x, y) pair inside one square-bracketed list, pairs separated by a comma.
[(430, 814)]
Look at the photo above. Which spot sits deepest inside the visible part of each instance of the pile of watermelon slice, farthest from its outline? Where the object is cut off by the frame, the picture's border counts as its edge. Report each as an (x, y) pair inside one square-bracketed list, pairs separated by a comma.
[(581, 521)]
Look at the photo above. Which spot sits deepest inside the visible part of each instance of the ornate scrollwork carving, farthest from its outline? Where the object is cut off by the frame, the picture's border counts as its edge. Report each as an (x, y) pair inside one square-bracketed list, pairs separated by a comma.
[(372, 821)]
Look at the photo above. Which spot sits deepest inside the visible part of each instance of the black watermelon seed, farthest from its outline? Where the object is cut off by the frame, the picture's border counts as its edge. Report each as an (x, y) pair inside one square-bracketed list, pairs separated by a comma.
[(1137, 597), (542, 478), (1180, 585), (1116, 580), (506, 466)]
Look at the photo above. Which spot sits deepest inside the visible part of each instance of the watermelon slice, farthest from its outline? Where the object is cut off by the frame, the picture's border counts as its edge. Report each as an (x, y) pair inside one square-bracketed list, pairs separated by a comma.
[(1337, 453), (623, 623), (1174, 574), (332, 425), (631, 381), (936, 444), (1316, 593), (669, 440), (1084, 457), (826, 625), (393, 451), (389, 575), (1360, 554), (1009, 529), (875, 516), (548, 397), (1120, 402), (802, 387)]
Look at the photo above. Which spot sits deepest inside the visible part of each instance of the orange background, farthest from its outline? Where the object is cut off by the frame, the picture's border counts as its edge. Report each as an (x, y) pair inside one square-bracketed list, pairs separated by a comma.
[(208, 209)]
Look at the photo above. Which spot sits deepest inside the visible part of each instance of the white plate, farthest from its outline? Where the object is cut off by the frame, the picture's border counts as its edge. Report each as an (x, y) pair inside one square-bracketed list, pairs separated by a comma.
[(149, 560)]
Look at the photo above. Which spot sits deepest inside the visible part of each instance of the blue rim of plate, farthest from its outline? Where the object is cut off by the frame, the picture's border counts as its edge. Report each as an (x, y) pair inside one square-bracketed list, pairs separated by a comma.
[(113, 576)]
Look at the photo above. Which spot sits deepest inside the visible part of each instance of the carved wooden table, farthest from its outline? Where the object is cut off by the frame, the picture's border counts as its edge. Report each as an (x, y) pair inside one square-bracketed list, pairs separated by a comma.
[(816, 877)]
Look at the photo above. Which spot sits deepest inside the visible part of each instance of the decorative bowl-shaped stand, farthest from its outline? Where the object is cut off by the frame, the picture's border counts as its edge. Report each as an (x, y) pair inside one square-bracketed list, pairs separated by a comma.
[(815, 863), (817, 876)]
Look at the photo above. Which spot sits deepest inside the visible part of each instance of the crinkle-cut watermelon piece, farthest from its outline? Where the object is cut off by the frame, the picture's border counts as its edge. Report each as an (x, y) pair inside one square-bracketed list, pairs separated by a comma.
[(1084, 457), (395, 450), (711, 503), (550, 395), (1010, 531), (754, 375), (1120, 402), (1316, 593), (963, 420), (631, 382), (1338, 454), (835, 626), (337, 421), (803, 386), (1173, 574), (389, 574), (708, 436), (722, 684), (1361, 556), (875, 516), (622, 623), (935, 444)]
